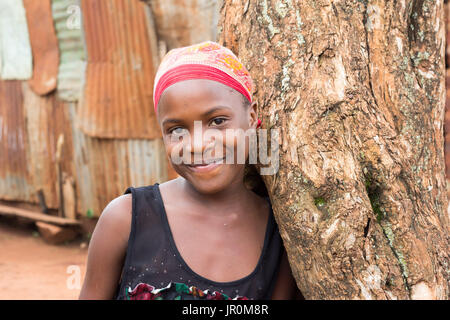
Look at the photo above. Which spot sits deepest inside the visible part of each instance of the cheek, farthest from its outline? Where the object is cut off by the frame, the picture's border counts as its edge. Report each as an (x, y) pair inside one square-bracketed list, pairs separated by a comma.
[(237, 144), (172, 147)]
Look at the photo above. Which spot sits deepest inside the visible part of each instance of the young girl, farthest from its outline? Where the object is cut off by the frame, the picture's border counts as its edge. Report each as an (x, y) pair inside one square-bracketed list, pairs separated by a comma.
[(203, 235)]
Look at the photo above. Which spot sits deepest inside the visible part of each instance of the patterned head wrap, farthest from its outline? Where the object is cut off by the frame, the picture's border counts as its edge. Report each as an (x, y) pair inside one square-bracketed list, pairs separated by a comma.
[(206, 60)]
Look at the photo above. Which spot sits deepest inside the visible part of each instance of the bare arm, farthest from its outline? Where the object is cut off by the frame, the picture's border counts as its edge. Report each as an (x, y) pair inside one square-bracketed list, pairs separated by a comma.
[(285, 287), (107, 250)]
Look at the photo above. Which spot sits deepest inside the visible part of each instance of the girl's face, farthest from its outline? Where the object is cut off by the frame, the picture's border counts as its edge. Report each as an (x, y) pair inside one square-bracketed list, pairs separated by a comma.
[(218, 107)]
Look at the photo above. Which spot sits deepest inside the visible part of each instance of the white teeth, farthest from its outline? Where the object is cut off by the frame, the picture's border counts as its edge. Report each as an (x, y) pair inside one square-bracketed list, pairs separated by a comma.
[(216, 161), (206, 164)]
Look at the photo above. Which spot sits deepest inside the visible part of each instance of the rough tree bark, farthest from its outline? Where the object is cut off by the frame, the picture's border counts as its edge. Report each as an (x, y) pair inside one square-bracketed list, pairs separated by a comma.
[(184, 22), (357, 90)]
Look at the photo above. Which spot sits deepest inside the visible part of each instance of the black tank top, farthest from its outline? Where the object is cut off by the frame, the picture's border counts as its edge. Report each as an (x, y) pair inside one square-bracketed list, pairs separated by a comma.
[(155, 270)]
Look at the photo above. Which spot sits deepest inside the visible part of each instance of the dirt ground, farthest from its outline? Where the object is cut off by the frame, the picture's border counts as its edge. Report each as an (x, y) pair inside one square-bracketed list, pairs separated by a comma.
[(33, 269)]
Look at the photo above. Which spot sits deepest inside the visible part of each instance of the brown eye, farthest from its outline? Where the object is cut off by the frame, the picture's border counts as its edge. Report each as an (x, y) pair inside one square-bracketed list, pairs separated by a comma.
[(218, 121), (177, 130)]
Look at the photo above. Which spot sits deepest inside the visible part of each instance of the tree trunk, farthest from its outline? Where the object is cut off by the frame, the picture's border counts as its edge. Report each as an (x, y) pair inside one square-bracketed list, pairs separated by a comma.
[(182, 23), (356, 89)]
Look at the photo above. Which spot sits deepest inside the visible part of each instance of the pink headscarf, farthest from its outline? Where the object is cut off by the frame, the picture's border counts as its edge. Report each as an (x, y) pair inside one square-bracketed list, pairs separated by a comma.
[(206, 60)]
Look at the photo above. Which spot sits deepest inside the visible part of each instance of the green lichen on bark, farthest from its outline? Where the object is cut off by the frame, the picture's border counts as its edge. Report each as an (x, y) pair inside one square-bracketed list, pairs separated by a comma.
[(374, 193), (285, 80), (389, 234), (265, 19), (283, 7), (319, 201), (300, 38)]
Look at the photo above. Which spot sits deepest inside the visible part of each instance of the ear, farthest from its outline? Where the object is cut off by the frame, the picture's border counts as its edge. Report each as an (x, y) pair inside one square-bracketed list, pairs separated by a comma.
[(253, 114)]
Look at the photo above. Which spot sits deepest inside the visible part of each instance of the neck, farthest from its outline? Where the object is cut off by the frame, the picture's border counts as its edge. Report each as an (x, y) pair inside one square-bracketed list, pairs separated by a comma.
[(234, 195)]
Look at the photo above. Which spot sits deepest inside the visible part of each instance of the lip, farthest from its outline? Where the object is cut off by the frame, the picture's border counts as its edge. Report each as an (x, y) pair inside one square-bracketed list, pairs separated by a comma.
[(205, 167)]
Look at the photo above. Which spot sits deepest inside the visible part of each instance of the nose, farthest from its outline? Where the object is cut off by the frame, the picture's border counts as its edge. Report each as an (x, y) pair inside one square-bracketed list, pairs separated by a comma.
[(198, 143), (203, 144)]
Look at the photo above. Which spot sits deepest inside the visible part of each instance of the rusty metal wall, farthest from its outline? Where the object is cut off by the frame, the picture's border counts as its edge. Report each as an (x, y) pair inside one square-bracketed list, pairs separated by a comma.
[(106, 167), (46, 119), (30, 126), (71, 71), (15, 179), (33, 115), (117, 99), (44, 45)]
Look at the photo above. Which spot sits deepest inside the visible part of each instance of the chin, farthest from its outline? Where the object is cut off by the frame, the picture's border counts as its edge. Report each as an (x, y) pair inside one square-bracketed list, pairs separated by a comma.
[(207, 187)]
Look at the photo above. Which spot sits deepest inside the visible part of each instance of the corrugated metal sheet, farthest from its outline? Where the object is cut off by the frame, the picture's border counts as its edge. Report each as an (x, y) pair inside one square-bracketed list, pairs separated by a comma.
[(30, 124), (15, 50), (117, 100), (72, 52), (102, 168), (106, 167), (44, 45), (181, 23), (15, 180), (47, 118)]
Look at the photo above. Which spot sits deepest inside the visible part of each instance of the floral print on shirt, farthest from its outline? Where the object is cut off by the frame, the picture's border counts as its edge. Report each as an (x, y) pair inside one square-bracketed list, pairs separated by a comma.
[(175, 291)]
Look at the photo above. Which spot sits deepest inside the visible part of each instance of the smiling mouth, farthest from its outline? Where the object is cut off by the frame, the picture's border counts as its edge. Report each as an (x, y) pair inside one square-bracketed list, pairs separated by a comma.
[(206, 167), (208, 163)]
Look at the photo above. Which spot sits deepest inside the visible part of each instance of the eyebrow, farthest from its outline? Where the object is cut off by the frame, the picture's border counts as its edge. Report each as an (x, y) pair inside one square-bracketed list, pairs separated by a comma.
[(214, 109), (171, 121), (205, 114)]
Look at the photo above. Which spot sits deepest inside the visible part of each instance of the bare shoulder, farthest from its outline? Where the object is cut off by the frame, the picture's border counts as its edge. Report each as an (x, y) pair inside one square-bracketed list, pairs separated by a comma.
[(118, 208), (169, 192), (107, 249), (117, 215), (170, 184)]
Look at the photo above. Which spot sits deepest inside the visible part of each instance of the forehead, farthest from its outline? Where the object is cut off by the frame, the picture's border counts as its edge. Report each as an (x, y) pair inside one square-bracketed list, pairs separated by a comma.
[(196, 95)]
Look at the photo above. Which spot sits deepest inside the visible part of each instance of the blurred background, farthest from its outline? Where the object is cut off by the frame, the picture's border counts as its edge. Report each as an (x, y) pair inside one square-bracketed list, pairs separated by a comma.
[(77, 125)]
